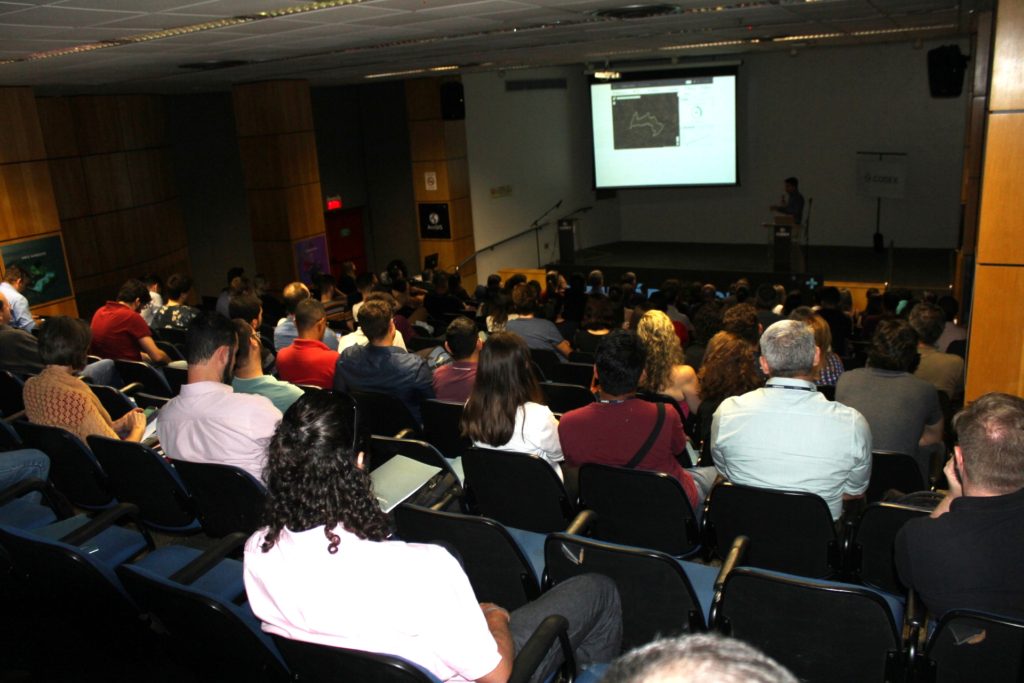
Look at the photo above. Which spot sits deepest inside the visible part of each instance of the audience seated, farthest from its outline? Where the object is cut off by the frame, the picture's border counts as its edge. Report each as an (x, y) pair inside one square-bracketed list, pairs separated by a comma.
[(19, 349), (598, 321), (156, 300), (730, 368), (365, 283), (441, 302), (361, 591), (951, 331), (902, 410), (335, 302), (382, 366), (664, 372), (308, 360), (831, 365), (697, 658), (56, 397), (176, 313), (765, 301), (359, 337), (741, 320), (249, 307), (505, 410), (625, 431), (454, 381), (969, 553), (22, 464), (538, 333), (839, 323), (248, 375), (944, 371), (285, 332), (17, 280), (787, 435), (208, 421), (236, 283), (707, 322), (120, 333)]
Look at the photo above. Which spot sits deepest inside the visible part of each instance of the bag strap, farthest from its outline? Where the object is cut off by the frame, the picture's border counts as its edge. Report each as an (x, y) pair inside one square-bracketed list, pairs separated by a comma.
[(651, 438)]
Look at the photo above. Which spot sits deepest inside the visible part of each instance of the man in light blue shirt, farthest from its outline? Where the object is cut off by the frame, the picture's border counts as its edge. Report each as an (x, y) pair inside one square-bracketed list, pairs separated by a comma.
[(788, 437), (285, 333), (16, 281), (248, 373)]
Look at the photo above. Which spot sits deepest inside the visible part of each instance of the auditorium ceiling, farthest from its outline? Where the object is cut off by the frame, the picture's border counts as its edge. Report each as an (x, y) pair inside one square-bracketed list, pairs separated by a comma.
[(71, 46)]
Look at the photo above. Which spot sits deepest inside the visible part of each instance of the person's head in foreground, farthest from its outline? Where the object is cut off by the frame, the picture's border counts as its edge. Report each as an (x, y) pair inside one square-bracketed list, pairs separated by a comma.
[(990, 453), (696, 659), (788, 350), (314, 478)]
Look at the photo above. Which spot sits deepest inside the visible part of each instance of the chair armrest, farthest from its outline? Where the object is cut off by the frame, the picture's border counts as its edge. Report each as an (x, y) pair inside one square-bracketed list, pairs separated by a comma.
[(129, 389), (915, 618), (739, 546), (536, 649), (53, 498), (406, 433), (20, 489), (105, 520), (209, 559), (14, 417), (582, 522)]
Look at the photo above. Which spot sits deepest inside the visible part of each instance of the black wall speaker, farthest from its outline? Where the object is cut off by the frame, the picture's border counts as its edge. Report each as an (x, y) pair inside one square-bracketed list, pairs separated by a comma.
[(946, 69), (453, 104)]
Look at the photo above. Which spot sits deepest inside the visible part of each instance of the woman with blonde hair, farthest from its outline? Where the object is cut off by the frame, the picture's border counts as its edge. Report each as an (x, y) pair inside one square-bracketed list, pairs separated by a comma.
[(664, 371)]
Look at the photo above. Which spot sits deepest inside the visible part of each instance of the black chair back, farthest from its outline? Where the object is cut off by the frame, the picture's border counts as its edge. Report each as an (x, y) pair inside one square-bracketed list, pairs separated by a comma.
[(497, 568), (828, 633), (11, 388), (441, 427), (546, 360), (872, 560), (958, 347), (315, 663), (227, 499), (415, 343), (9, 439), (170, 349), (383, 448), (657, 598), (669, 402), (562, 398), (114, 402), (176, 378), (828, 391), (74, 470), (172, 335), (994, 653), (149, 377), (582, 357), (789, 531), (137, 474), (891, 470), (383, 414), (580, 374), (519, 490), (638, 508)]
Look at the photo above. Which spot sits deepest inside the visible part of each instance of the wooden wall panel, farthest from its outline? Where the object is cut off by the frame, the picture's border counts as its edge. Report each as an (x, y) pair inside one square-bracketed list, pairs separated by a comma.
[(20, 136), (271, 161), (422, 99), (996, 358), (272, 107), (426, 140), (140, 121), (274, 259), (107, 182), (69, 187), (1008, 57), (58, 125), (26, 200), (454, 139), (96, 123), (1002, 203)]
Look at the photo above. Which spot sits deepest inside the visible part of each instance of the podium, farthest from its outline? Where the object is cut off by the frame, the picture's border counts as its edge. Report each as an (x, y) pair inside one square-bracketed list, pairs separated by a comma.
[(785, 243)]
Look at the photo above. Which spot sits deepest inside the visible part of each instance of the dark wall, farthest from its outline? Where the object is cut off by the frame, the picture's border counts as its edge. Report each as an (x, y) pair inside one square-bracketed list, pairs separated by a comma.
[(209, 176), (363, 150)]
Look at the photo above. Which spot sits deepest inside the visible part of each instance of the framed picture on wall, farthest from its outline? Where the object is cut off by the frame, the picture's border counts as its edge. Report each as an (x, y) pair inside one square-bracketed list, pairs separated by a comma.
[(434, 223), (43, 259)]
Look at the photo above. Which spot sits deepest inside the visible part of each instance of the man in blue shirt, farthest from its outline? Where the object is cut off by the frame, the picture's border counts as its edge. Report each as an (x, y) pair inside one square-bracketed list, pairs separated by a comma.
[(792, 202), (16, 281)]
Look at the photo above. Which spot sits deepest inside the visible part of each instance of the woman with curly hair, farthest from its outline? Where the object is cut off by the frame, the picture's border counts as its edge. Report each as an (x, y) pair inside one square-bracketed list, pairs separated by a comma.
[(831, 365), (323, 571), (730, 368), (664, 371), (505, 410)]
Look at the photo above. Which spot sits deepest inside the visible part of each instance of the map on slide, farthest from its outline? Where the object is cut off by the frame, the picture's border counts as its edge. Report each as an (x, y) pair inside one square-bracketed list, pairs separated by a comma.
[(641, 121)]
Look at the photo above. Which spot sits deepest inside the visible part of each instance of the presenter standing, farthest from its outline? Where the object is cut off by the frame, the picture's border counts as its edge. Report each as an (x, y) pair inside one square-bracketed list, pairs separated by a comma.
[(792, 202)]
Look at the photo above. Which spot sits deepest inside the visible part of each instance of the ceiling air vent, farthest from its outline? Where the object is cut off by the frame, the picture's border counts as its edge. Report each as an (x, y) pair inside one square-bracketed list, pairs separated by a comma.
[(637, 11)]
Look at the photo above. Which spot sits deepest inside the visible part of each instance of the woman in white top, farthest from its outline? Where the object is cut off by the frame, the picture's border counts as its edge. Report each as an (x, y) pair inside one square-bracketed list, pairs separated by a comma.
[(505, 410)]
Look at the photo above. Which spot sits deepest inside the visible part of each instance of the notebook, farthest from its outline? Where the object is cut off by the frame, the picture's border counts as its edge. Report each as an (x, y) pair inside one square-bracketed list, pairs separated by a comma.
[(399, 478)]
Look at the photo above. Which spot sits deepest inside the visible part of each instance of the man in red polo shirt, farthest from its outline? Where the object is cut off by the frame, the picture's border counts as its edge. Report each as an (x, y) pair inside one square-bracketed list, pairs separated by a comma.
[(119, 332), (308, 360)]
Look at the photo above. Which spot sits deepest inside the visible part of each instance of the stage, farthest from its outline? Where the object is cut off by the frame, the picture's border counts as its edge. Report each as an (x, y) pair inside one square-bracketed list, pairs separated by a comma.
[(930, 269)]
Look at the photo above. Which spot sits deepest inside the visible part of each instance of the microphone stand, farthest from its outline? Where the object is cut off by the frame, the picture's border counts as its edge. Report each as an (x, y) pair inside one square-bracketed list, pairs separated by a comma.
[(536, 226)]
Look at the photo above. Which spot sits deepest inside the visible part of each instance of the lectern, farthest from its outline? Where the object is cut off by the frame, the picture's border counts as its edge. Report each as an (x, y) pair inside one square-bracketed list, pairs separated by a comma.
[(785, 241)]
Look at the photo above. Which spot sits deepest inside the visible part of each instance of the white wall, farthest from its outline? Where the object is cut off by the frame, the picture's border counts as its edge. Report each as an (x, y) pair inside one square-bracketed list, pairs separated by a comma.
[(804, 115), (537, 142)]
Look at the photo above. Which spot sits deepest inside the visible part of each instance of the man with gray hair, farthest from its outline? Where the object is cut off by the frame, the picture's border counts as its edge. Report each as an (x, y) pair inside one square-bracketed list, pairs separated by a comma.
[(695, 659), (786, 436)]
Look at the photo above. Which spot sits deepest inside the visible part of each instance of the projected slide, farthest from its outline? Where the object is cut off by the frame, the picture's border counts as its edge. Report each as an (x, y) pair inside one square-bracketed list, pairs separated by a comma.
[(646, 120), (666, 131)]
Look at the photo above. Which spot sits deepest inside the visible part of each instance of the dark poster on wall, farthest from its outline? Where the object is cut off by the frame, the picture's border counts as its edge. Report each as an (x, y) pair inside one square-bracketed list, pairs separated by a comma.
[(434, 223), (43, 259)]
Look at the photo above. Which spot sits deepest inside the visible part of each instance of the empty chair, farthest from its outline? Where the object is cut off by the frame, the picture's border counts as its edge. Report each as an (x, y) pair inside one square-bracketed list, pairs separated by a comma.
[(199, 606), (151, 379), (546, 360), (820, 630), (502, 568), (138, 475), (871, 553), (580, 374), (789, 531), (441, 427), (561, 398), (11, 388), (891, 470), (659, 597), (19, 509), (227, 499), (973, 646), (74, 469), (383, 414), (520, 490), (638, 508), (114, 401)]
